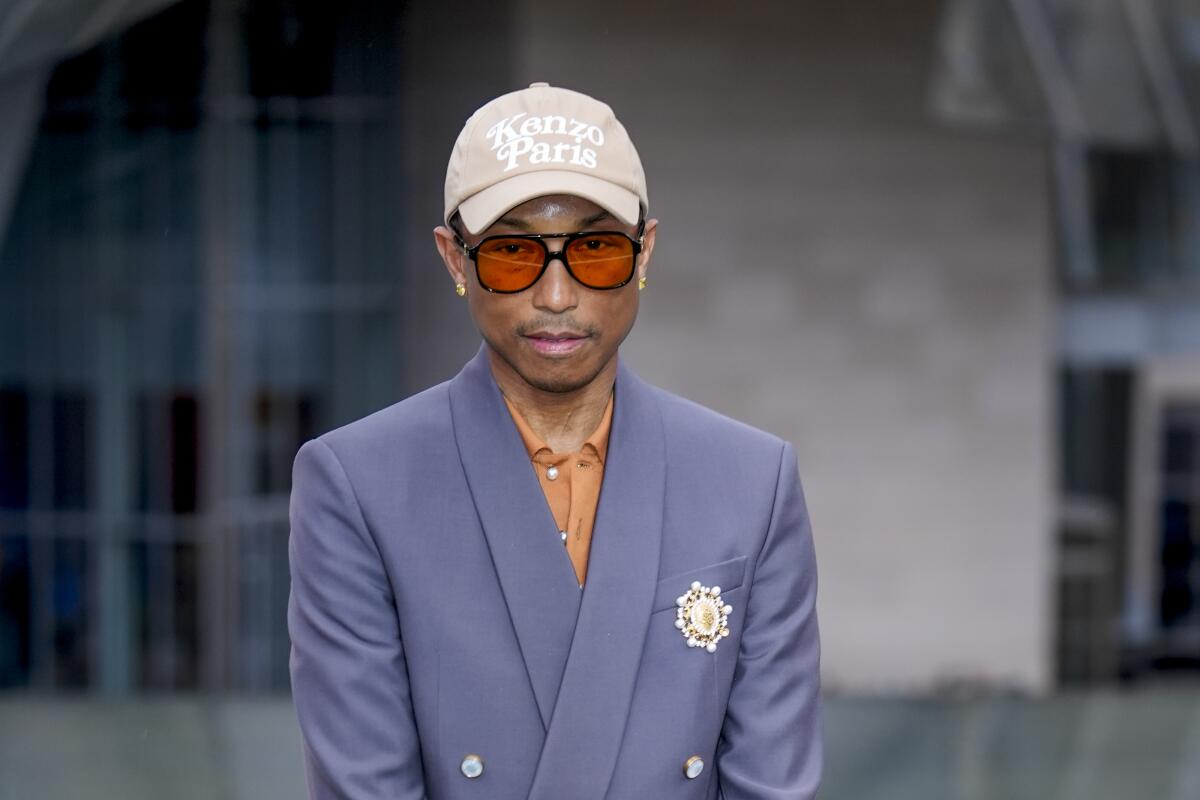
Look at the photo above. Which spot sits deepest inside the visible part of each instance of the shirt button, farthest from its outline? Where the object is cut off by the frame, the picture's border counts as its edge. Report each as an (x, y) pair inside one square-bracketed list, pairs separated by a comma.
[(471, 766), (552, 473), (693, 767)]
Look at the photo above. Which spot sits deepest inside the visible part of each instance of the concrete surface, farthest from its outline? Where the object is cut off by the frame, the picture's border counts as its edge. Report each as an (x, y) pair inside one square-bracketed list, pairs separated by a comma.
[(1102, 745)]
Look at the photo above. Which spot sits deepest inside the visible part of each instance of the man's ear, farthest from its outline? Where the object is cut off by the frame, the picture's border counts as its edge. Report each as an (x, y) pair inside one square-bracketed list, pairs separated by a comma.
[(648, 236), (452, 254)]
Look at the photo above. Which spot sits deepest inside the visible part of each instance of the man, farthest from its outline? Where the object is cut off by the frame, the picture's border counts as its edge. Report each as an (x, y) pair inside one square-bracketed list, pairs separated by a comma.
[(545, 578)]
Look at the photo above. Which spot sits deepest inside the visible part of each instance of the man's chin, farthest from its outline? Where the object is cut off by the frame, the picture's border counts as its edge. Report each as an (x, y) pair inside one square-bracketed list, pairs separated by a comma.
[(555, 385), (559, 376)]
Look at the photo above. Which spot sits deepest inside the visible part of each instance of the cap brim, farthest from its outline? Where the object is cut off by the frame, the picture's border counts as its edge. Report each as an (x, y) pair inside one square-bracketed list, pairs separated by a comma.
[(483, 208)]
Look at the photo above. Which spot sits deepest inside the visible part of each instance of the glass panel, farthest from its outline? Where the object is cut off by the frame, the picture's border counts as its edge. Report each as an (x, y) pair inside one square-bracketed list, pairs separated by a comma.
[(1093, 424), (1180, 531), (200, 274)]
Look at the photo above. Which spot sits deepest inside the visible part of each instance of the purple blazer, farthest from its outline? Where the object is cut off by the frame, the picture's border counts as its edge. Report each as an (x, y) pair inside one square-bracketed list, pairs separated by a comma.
[(437, 627)]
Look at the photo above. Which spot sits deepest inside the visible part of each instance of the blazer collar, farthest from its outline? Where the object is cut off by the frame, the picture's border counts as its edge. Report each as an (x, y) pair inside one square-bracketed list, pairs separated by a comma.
[(582, 654), (535, 572)]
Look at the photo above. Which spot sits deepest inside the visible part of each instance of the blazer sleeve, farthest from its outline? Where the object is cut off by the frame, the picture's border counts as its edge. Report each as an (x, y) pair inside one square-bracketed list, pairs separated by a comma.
[(349, 680), (771, 743)]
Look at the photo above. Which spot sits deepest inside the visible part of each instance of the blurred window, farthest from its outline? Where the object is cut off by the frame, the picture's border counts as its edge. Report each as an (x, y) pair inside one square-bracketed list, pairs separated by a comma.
[(1179, 531), (1144, 221), (200, 273)]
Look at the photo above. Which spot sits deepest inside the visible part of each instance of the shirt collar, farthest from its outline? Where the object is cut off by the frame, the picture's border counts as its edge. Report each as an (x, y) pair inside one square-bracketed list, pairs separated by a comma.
[(598, 441)]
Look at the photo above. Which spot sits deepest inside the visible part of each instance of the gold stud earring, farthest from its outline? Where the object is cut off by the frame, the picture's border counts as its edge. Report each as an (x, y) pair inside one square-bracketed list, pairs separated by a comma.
[(641, 284), (460, 289)]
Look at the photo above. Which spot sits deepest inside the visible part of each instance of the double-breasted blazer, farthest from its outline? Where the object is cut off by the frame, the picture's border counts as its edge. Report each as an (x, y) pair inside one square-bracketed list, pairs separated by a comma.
[(438, 630)]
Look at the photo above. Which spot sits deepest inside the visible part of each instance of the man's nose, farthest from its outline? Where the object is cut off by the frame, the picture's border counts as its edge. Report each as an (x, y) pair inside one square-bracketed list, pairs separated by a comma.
[(557, 291)]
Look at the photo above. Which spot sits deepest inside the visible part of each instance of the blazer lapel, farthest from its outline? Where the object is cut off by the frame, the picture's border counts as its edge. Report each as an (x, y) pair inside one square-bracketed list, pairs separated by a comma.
[(535, 572), (597, 686)]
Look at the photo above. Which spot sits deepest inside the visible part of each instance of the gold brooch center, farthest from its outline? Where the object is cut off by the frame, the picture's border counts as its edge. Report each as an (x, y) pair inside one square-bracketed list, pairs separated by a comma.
[(702, 617)]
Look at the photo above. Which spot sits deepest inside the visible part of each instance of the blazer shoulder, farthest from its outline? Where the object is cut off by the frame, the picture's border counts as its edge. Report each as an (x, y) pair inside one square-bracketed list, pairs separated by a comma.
[(689, 423), (420, 421)]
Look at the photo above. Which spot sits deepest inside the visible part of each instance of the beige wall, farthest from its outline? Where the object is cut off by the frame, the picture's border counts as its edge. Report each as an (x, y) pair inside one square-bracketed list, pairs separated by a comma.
[(837, 268)]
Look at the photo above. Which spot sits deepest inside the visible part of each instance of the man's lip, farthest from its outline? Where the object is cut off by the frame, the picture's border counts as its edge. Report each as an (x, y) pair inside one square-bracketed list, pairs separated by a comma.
[(555, 344), (556, 335)]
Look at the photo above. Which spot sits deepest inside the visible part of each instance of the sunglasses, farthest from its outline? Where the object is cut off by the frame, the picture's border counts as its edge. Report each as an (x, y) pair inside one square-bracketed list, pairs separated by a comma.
[(510, 263)]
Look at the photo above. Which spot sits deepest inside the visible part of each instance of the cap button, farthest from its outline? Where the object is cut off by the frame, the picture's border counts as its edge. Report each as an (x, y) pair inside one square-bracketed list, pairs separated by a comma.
[(539, 85)]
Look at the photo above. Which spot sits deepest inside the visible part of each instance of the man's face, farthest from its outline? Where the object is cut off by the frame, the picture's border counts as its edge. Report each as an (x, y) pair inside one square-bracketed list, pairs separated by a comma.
[(558, 334)]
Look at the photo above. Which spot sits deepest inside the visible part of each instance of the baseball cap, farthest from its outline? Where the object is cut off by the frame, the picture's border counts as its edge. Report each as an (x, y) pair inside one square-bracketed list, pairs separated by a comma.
[(539, 141)]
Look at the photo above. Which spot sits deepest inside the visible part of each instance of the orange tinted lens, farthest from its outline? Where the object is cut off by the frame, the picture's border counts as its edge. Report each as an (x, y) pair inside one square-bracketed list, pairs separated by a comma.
[(509, 265), (601, 260)]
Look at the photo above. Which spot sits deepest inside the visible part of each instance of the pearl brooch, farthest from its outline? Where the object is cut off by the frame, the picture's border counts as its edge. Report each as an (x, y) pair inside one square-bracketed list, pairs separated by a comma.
[(702, 616)]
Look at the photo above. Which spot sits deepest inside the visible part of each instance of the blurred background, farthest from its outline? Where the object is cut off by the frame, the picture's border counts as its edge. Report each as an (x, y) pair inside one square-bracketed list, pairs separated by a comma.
[(950, 249)]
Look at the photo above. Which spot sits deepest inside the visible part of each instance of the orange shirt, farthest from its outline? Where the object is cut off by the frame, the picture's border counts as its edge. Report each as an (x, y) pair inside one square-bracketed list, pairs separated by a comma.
[(571, 483)]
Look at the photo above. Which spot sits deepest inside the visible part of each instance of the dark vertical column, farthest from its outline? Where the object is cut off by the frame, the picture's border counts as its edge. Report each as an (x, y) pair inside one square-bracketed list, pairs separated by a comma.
[(219, 147), (21, 96), (114, 437)]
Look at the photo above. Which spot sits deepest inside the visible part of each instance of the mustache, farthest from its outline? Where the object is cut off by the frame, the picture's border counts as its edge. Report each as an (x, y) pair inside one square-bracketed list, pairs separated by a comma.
[(556, 322)]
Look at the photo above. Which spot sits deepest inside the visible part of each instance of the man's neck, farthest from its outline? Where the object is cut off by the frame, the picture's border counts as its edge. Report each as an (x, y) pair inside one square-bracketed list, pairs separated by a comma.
[(563, 420)]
